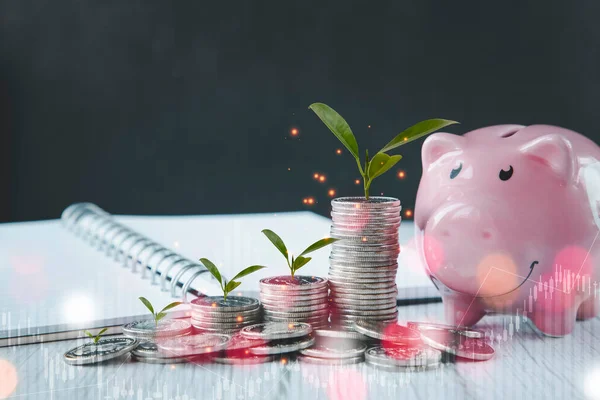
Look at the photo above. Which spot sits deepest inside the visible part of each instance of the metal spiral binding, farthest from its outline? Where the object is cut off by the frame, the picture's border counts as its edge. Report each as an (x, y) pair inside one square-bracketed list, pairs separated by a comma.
[(131, 249)]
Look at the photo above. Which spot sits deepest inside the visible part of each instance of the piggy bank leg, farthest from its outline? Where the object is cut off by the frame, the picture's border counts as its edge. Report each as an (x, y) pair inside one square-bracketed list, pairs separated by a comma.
[(590, 308), (555, 321), (462, 310)]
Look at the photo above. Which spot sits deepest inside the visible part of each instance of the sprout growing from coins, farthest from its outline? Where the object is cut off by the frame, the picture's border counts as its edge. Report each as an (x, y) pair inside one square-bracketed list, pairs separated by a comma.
[(380, 162), (158, 315), (228, 286), (96, 337), (295, 263)]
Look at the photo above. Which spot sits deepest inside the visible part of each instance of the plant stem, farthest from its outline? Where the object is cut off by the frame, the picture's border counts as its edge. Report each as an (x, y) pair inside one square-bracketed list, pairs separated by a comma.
[(367, 185)]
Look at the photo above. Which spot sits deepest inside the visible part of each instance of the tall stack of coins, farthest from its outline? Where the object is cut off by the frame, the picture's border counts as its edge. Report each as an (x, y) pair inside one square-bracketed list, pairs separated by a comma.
[(215, 314), (297, 299), (363, 263)]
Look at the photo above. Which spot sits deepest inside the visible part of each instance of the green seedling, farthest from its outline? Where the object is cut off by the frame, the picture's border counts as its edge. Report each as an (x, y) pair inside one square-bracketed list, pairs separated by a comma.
[(97, 337), (228, 286), (381, 162), (158, 315), (295, 263)]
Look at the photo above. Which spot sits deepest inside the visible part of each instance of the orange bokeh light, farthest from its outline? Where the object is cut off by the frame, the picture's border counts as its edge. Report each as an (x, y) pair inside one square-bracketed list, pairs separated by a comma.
[(357, 182), (308, 200), (316, 175), (331, 192), (401, 174), (497, 274), (338, 151), (322, 178), (408, 213), (8, 379), (294, 132)]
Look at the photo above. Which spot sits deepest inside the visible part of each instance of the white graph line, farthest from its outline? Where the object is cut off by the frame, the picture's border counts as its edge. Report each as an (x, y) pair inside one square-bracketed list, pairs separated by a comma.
[(586, 256)]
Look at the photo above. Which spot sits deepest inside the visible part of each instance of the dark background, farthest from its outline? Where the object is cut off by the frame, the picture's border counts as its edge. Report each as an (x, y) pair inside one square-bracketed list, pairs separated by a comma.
[(176, 107)]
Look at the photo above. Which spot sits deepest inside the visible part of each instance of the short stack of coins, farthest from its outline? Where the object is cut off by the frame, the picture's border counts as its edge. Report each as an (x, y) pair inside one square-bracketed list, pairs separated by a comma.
[(295, 299), (363, 263), (216, 314)]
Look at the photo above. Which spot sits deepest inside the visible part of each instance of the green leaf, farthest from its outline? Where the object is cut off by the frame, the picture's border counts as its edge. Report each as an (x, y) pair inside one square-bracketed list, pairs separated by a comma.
[(102, 331), (88, 334), (231, 286), (337, 125), (247, 271), (300, 262), (212, 268), (160, 316), (172, 305), (381, 163), (147, 304), (318, 245), (417, 131), (277, 242)]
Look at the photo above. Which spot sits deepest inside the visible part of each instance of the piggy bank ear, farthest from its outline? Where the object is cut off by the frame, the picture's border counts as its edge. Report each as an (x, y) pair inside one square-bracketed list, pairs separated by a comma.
[(438, 145), (553, 151)]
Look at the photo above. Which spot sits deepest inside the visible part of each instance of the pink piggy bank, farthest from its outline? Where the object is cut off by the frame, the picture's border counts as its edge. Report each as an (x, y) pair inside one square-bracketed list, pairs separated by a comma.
[(507, 218)]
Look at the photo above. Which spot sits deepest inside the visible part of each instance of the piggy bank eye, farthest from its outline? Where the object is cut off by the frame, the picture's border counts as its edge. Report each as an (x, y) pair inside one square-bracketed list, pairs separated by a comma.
[(505, 175), (454, 173)]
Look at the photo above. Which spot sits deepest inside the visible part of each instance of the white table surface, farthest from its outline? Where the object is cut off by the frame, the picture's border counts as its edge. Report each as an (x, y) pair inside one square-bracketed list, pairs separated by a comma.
[(526, 366)]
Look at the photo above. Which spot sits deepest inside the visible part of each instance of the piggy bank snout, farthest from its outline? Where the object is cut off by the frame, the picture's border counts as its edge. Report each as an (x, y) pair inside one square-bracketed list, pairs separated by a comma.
[(461, 223), (455, 239)]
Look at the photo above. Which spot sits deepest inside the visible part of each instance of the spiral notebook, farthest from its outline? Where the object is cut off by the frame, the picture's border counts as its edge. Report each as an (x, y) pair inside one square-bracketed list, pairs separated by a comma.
[(87, 270)]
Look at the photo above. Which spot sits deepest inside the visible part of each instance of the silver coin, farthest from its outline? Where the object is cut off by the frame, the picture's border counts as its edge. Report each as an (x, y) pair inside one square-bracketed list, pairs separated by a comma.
[(286, 320), (335, 348), (239, 342), (366, 280), (287, 306), (369, 219), (218, 303), (300, 309), (297, 283), (105, 349), (162, 360), (246, 359), (337, 272), (367, 247), (283, 346), (362, 301), (349, 318), (288, 298), (383, 308), (360, 264), (337, 285), (222, 319), (285, 314), (365, 240), (330, 361), (390, 332), (369, 292), (396, 369), (343, 311), (355, 238), (202, 343), (364, 227), (224, 316), (204, 330), (277, 330), (465, 331), (355, 259), (330, 332), (459, 345), (373, 202), (150, 329), (146, 349), (224, 326), (404, 356), (362, 212)]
